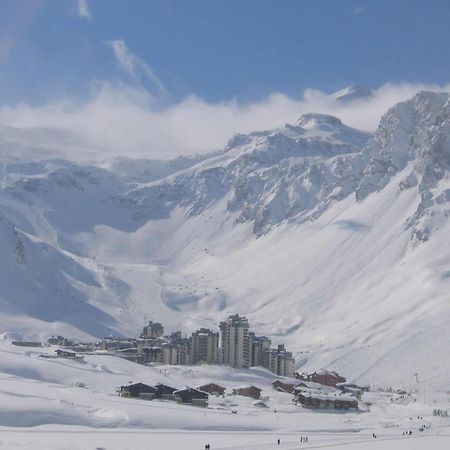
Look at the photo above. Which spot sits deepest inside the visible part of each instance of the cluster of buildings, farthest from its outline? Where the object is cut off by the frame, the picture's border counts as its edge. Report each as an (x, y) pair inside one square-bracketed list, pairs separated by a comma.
[(233, 345), (324, 393), (197, 396), (309, 394)]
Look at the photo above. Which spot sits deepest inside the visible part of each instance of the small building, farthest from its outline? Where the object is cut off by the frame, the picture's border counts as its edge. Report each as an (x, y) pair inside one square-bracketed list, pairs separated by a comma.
[(324, 401), (66, 353), (279, 386), (352, 389), (248, 391), (191, 396), (165, 392), (213, 389), (310, 386), (322, 377), (138, 390)]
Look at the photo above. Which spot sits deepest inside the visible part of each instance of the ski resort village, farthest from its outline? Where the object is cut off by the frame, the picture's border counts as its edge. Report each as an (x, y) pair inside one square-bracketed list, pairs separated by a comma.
[(337, 336), (235, 346), (224, 224)]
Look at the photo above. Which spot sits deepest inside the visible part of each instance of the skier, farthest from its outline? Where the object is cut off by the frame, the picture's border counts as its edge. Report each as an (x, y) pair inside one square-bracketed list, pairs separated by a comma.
[(278, 441)]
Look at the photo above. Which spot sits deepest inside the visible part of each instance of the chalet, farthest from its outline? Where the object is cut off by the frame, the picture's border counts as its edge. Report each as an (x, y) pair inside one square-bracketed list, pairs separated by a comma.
[(165, 392), (65, 353), (213, 389), (191, 396), (310, 386), (324, 401), (248, 391), (352, 389), (138, 390), (322, 377), (279, 386)]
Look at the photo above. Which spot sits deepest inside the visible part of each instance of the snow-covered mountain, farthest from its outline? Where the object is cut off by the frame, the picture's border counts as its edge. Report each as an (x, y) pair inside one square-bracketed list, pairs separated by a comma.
[(329, 239), (351, 93)]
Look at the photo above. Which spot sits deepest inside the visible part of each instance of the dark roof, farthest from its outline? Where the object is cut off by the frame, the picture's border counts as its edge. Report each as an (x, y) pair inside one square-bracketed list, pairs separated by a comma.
[(247, 387), (164, 389), (137, 388), (191, 393), (211, 387)]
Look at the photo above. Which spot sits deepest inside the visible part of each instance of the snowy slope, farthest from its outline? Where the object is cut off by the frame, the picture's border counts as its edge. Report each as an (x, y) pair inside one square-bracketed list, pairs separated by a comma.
[(330, 241)]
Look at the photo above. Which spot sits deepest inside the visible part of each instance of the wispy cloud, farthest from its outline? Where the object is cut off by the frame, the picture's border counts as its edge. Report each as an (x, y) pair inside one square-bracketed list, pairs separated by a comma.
[(135, 66), (83, 9), (20, 15), (124, 120), (358, 10)]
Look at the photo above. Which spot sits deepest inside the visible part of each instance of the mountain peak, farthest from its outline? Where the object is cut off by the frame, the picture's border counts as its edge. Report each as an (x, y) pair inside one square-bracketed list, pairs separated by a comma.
[(351, 93), (314, 120)]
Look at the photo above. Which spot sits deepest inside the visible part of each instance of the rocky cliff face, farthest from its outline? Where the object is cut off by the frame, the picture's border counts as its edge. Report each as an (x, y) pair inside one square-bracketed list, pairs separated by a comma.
[(413, 138)]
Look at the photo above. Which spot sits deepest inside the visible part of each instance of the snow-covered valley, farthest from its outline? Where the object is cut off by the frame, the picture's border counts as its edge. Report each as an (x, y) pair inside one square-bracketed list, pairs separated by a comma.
[(327, 238)]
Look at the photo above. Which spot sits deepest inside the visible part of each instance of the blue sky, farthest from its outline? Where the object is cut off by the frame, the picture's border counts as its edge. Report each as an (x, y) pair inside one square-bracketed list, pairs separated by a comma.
[(219, 50), (160, 78)]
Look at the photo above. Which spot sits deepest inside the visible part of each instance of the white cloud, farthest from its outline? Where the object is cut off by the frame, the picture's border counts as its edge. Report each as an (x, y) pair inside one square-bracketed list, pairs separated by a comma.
[(129, 121), (83, 9), (135, 66)]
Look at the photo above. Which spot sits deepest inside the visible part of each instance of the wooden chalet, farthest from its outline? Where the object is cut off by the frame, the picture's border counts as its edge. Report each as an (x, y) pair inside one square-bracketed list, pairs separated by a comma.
[(279, 386), (138, 390), (165, 392), (312, 400), (322, 377), (248, 391), (191, 396), (213, 389), (65, 353)]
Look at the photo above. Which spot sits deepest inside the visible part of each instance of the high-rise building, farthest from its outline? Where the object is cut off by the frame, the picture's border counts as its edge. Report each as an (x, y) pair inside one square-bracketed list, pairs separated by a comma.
[(258, 346), (204, 346), (279, 361), (234, 342), (153, 330)]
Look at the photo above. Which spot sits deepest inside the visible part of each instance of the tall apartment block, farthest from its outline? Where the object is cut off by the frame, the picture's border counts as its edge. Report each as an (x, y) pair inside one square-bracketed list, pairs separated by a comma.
[(153, 330), (234, 342), (258, 347), (204, 346), (279, 361)]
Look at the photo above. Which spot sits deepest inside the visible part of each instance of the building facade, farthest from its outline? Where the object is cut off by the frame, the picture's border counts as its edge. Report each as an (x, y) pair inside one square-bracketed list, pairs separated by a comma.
[(234, 342), (258, 347), (153, 330), (204, 346), (279, 361)]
